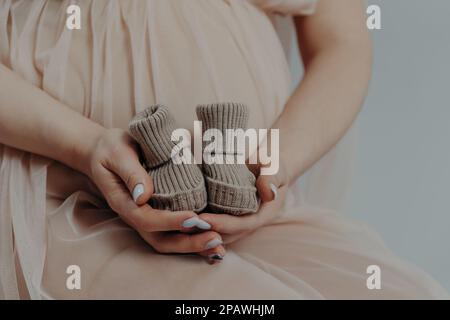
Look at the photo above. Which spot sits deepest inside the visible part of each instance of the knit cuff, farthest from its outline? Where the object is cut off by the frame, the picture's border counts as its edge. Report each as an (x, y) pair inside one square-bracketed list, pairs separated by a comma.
[(194, 199), (227, 198), (152, 129), (223, 116)]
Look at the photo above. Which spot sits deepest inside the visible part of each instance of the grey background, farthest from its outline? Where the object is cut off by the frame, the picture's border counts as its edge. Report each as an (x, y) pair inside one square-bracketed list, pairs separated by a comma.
[(402, 180)]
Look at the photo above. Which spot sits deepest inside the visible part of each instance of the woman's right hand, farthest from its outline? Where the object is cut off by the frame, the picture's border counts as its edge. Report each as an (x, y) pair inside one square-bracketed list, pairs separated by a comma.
[(113, 165), (108, 156)]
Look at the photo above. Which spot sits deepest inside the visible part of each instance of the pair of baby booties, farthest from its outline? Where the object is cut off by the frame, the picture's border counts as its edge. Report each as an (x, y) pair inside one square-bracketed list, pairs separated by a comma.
[(223, 188)]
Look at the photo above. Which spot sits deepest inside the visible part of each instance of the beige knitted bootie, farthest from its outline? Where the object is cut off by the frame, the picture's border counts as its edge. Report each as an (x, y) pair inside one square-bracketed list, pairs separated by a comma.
[(177, 187), (231, 187)]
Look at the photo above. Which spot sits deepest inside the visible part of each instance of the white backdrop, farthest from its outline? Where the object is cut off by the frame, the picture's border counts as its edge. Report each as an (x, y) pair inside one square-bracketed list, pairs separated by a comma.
[(401, 182), (401, 185)]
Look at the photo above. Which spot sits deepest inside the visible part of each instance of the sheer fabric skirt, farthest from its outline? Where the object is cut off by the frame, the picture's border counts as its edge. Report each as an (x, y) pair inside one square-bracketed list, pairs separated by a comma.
[(127, 56)]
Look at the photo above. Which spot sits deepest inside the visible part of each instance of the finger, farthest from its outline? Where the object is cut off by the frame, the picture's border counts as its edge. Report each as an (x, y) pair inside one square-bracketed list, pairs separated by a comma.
[(144, 218), (215, 255), (267, 187), (269, 211), (147, 219), (228, 224), (135, 177), (114, 190), (254, 168), (186, 243)]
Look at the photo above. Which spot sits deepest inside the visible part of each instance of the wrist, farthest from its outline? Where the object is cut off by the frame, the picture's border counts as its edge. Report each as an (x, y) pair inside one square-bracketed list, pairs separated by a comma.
[(285, 169), (83, 148)]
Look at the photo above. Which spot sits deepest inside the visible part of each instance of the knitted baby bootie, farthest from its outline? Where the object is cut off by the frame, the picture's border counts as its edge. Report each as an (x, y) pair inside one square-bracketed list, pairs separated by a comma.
[(177, 187), (231, 187)]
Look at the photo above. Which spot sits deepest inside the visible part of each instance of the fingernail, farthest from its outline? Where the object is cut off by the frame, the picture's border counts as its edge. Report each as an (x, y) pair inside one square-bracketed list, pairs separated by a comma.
[(191, 222), (215, 256), (138, 191), (274, 191), (213, 243), (202, 224)]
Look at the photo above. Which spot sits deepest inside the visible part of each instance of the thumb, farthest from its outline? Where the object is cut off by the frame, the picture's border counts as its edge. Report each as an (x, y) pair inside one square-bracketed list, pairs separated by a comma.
[(137, 180), (267, 187)]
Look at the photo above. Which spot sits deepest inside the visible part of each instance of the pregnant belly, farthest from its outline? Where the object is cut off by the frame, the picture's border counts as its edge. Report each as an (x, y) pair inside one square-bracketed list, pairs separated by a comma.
[(129, 55)]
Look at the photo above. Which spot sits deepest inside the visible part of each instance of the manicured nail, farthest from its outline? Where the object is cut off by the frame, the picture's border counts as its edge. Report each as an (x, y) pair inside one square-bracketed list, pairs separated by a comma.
[(191, 222), (202, 224), (274, 191), (215, 256), (213, 243), (138, 191)]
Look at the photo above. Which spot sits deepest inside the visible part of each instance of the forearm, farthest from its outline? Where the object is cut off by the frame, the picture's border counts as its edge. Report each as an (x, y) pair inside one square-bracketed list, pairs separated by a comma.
[(337, 53), (323, 107), (31, 120)]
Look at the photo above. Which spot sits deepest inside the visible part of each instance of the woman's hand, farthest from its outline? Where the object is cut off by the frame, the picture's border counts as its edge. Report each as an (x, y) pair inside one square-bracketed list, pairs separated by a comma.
[(272, 192), (113, 164)]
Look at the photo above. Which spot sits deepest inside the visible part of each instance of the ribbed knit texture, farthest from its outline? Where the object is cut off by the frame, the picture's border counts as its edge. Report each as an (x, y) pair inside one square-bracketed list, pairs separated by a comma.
[(177, 187), (153, 128), (223, 116), (231, 187)]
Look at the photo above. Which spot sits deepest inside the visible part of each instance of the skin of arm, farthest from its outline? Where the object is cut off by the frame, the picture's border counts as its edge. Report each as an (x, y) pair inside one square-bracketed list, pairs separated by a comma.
[(33, 121), (336, 51)]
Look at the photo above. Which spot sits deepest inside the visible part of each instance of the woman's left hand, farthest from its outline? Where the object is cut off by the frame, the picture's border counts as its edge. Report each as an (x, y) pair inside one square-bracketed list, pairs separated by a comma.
[(272, 192)]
